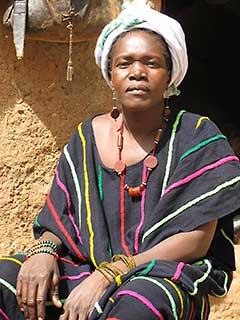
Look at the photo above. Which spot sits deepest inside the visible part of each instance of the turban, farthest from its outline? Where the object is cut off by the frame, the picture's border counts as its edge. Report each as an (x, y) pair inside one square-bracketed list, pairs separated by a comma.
[(138, 14)]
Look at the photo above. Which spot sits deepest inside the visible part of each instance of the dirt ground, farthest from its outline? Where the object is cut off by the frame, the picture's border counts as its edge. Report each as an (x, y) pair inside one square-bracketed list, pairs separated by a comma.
[(39, 110)]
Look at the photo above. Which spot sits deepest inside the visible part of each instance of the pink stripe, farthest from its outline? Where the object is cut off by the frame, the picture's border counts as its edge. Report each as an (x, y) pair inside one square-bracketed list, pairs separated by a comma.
[(178, 271), (143, 300), (200, 172), (62, 186), (5, 317), (81, 275), (138, 230)]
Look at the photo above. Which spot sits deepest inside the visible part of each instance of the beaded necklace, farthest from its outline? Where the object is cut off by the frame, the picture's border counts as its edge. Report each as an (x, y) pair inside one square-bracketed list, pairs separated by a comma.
[(150, 162)]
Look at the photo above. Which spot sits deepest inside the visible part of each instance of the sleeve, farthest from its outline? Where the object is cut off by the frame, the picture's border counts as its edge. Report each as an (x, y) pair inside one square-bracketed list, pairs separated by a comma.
[(61, 212), (203, 185)]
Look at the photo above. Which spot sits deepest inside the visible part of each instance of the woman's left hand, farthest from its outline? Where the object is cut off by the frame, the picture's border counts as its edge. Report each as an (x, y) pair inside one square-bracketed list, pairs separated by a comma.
[(82, 299)]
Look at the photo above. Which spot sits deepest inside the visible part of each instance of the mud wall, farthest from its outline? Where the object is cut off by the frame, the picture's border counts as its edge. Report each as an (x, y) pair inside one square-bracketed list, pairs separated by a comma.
[(39, 110)]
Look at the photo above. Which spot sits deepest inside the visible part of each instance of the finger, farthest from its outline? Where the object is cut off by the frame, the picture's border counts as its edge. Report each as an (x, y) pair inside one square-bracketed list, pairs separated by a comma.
[(64, 316), (19, 294), (54, 293), (25, 299), (41, 299), (31, 301)]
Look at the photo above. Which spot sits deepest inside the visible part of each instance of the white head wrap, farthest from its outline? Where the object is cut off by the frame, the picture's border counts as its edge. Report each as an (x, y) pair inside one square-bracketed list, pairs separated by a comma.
[(137, 14)]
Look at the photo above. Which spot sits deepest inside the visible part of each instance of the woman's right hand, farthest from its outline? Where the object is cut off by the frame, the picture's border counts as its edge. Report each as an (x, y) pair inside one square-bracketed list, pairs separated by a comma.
[(37, 276)]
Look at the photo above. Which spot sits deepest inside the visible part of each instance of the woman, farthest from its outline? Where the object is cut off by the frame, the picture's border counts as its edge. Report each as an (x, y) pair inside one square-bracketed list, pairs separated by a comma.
[(138, 222)]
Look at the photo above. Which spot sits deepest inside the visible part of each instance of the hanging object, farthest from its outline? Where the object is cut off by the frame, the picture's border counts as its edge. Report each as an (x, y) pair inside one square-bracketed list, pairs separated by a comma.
[(19, 26)]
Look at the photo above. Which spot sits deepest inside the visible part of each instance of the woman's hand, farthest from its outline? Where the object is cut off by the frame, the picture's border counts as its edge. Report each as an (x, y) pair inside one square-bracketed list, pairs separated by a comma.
[(38, 276), (82, 299)]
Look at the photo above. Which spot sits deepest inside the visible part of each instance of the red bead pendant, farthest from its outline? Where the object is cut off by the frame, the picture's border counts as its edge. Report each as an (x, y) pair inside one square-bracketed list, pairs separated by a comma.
[(151, 162), (119, 167), (135, 191)]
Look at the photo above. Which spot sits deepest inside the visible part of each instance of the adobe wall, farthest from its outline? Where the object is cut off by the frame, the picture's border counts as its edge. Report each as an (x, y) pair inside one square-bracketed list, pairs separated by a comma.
[(39, 110)]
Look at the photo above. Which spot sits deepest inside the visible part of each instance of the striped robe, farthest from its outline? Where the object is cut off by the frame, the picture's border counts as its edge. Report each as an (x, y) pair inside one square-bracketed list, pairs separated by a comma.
[(197, 180)]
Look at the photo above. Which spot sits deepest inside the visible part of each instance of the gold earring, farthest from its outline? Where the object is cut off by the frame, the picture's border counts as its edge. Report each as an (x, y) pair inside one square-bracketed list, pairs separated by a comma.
[(115, 112)]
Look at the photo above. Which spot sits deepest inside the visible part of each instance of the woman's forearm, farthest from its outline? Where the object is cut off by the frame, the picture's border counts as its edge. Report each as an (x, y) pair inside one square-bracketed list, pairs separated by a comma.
[(47, 235), (185, 246)]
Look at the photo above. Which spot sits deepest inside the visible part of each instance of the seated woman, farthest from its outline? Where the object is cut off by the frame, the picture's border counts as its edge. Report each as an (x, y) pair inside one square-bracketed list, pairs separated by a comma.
[(138, 222)]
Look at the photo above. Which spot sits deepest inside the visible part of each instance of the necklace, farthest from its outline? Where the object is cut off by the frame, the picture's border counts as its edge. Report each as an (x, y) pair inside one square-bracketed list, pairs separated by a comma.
[(150, 162)]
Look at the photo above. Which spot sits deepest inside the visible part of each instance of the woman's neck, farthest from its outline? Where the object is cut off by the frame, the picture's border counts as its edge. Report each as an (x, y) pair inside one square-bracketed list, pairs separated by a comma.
[(142, 124)]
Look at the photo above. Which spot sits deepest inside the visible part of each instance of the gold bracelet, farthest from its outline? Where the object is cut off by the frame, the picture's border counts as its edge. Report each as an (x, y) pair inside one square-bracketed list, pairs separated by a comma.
[(105, 274), (128, 261)]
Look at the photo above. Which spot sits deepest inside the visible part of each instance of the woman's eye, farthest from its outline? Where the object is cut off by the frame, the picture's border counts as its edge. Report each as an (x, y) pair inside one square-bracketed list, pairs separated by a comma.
[(123, 64), (153, 64)]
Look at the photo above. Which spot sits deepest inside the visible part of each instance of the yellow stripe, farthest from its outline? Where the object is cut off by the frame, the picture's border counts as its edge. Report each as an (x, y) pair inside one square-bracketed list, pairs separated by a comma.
[(89, 213), (179, 295), (12, 259), (118, 280), (200, 121), (111, 299), (203, 308)]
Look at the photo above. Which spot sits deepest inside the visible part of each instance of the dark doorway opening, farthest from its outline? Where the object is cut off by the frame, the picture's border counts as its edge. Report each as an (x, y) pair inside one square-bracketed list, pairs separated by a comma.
[(211, 86)]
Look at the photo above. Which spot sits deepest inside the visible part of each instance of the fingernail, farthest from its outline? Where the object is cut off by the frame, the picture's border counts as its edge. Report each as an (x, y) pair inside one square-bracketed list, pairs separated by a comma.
[(40, 318)]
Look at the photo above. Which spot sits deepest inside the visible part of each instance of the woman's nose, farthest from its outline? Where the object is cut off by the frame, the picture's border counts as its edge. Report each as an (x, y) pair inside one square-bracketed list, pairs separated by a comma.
[(137, 71)]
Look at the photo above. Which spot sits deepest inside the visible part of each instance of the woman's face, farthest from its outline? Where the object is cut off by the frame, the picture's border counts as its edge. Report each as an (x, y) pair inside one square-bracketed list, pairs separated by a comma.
[(139, 72)]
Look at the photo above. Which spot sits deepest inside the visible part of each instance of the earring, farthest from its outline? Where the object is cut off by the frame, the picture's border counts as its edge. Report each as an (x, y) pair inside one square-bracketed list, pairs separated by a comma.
[(166, 110), (115, 112)]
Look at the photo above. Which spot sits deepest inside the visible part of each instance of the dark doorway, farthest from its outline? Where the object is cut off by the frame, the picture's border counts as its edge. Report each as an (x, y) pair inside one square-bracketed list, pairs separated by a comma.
[(211, 86)]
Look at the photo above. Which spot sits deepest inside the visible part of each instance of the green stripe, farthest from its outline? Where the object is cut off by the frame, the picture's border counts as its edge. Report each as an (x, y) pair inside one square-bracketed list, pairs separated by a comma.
[(100, 182), (202, 144), (227, 237), (149, 268)]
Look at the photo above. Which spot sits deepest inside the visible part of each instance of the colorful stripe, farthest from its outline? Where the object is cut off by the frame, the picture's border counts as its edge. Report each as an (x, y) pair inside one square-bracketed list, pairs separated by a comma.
[(100, 182), (3, 314), (224, 287), (202, 279), (179, 295), (192, 312), (63, 229), (8, 286), (139, 228), (202, 144), (149, 268), (200, 120), (144, 300), (122, 215), (227, 237), (189, 205), (178, 272), (81, 275), (12, 259), (168, 294), (198, 173), (88, 207), (98, 308), (170, 150), (76, 183), (64, 189)]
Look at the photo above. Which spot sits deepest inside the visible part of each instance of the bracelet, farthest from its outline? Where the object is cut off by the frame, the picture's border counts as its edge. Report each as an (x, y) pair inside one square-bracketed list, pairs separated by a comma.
[(109, 271), (128, 261), (43, 244), (38, 251)]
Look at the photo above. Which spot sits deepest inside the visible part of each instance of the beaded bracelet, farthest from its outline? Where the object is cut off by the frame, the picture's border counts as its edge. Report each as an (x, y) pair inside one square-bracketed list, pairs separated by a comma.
[(128, 261), (43, 244), (38, 251)]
